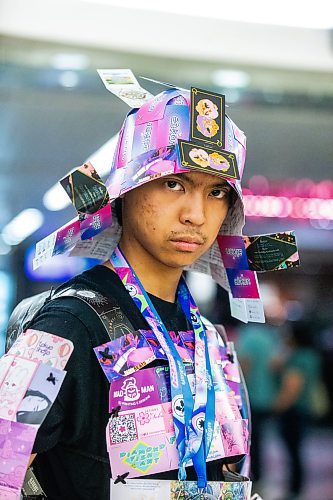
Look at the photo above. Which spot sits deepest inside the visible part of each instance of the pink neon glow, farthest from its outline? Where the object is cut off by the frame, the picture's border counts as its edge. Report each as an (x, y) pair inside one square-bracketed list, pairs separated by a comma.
[(294, 207)]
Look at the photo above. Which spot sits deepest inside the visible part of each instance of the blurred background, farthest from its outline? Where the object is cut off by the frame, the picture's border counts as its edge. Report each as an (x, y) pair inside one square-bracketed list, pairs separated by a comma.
[(275, 66)]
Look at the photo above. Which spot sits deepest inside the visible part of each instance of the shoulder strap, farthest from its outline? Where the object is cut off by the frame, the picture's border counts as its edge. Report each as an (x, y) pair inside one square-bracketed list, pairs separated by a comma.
[(107, 309)]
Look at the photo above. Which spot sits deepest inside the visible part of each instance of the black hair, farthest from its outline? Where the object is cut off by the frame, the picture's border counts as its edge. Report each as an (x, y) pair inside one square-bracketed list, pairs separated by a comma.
[(118, 208), (30, 416)]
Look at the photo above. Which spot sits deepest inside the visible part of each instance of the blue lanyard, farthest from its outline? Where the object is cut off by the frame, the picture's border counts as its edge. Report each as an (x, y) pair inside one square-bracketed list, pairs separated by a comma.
[(193, 417)]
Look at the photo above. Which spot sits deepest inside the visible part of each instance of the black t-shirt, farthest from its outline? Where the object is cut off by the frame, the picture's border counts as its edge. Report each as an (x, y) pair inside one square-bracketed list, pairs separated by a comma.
[(72, 460)]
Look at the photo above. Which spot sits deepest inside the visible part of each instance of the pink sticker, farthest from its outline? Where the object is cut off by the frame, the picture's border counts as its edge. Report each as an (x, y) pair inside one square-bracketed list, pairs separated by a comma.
[(14, 386), (16, 441), (42, 346), (175, 125), (235, 435), (145, 139), (123, 153)]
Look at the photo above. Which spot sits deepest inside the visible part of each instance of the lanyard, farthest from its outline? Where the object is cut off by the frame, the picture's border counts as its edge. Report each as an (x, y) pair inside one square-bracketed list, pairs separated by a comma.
[(193, 417)]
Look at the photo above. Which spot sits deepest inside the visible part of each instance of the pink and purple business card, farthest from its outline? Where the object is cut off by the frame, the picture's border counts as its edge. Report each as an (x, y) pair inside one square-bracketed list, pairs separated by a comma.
[(243, 284)]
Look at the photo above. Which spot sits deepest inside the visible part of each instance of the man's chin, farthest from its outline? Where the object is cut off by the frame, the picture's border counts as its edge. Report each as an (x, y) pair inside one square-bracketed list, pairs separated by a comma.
[(182, 259)]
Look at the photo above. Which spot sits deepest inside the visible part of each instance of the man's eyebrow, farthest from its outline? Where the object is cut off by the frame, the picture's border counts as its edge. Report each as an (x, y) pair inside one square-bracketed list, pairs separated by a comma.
[(218, 184)]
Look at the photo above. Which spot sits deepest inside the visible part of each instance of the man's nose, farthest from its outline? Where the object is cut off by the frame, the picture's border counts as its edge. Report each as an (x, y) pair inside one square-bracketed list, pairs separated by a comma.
[(193, 210)]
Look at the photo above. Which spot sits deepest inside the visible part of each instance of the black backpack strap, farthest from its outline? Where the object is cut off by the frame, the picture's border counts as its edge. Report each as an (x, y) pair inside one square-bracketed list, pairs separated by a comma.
[(107, 309), (23, 314)]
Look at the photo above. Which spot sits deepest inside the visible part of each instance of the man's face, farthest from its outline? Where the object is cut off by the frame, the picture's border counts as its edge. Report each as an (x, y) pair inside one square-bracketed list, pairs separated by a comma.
[(175, 219)]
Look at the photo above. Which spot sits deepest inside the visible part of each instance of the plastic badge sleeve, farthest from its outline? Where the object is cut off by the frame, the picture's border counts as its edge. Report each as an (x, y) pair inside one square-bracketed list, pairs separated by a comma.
[(132, 489)]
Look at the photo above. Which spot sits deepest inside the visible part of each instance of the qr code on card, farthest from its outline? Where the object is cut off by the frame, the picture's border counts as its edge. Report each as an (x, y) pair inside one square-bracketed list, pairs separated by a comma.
[(123, 428)]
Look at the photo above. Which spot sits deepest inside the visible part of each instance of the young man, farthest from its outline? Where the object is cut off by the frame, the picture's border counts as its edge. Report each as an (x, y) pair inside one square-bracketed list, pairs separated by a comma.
[(168, 224)]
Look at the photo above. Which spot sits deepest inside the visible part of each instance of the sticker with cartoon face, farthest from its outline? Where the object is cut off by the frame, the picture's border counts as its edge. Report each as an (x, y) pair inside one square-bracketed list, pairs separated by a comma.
[(178, 407), (132, 290), (217, 162), (207, 118)]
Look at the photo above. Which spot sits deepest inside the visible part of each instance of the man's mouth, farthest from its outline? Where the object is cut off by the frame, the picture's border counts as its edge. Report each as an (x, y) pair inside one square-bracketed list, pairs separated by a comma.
[(187, 243)]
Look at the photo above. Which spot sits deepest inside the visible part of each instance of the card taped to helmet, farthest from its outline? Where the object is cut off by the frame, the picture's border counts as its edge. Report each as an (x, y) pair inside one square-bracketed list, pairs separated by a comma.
[(207, 118), (208, 160)]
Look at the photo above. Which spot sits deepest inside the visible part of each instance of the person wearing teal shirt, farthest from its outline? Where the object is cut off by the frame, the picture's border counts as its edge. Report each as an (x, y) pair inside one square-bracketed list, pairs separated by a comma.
[(257, 348), (300, 374)]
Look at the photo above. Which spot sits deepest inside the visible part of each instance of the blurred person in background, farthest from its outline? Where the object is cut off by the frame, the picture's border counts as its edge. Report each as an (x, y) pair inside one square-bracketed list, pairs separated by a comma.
[(257, 348), (299, 375)]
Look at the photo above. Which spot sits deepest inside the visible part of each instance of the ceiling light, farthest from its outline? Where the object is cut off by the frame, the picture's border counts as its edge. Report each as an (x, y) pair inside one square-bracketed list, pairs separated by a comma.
[(22, 226), (56, 198), (70, 61), (68, 79), (230, 78)]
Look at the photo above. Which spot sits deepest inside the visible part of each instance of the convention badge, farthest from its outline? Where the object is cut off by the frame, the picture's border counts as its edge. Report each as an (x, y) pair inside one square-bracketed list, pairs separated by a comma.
[(86, 189), (243, 283), (233, 252), (114, 181), (226, 405), (132, 456), (272, 252), (7, 493), (175, 125), (207, 118), (124, 355), (5, 362), (205, 159), (142, 388), (93, 224), (100, 247), (155, 109), (58, 242), (238, 309), (149, 166), (40, 395), (14, 385), (124, 85), (16, 442), (235, 436), (247, 310), (145, 139), (42, 346), (255, 310), (151, 489)]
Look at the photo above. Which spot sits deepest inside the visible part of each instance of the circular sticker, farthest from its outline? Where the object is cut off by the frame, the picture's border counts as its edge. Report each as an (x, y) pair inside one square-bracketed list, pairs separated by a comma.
[(132, 290), (178, 406), (194, 318), (199, 422)]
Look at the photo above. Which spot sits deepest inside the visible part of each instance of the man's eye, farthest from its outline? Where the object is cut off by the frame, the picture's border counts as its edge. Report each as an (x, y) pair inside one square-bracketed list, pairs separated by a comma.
[(219, 193), (174, 185)]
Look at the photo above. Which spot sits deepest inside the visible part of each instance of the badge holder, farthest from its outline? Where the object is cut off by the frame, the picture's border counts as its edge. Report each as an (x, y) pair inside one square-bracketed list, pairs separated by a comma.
[(178, 490)]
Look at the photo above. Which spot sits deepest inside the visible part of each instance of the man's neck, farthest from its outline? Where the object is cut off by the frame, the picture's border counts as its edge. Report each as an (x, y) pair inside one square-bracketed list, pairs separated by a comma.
[(157, 278)]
